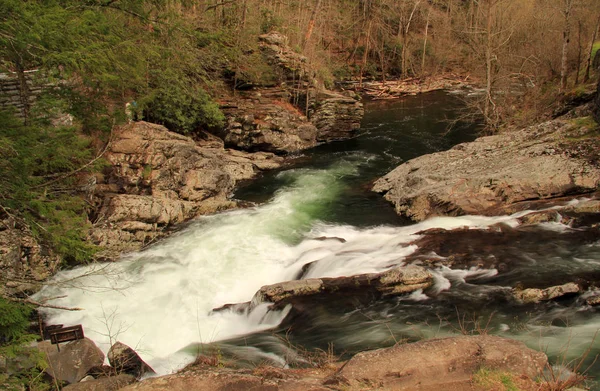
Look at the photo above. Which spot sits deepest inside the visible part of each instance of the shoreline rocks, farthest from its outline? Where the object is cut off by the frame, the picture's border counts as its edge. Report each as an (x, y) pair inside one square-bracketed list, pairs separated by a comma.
[(437, 364), (498, 174), (158, 179), (395, 281)]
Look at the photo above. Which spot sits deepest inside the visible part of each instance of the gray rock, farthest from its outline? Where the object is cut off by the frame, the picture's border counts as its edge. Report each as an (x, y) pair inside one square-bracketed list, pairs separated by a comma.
[(534, 295), (73, 361), (494, 175), (125, 360), (336, 116), (112, 383), (391, 282)]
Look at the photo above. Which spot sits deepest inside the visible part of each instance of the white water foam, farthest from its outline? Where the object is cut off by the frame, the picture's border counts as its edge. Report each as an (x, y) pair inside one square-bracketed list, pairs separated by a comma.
[(158, 301)]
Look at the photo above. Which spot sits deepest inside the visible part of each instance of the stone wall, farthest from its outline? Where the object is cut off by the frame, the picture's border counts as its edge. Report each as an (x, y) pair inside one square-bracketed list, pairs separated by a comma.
[(10, 92)]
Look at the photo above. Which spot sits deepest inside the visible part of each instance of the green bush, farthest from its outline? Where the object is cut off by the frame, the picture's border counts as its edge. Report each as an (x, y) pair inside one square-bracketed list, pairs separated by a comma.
[(33, 158), (14, 320), (181, 106)]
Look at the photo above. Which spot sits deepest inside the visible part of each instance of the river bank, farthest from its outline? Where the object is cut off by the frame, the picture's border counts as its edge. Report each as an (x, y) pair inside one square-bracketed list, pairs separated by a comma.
[(321, 221)]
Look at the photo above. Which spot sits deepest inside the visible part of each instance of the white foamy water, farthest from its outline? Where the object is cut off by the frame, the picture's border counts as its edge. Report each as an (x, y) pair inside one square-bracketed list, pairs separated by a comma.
[(158, 301)]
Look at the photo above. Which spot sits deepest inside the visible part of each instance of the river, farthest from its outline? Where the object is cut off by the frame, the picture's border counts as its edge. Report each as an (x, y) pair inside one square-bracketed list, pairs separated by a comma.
[(160, 300)]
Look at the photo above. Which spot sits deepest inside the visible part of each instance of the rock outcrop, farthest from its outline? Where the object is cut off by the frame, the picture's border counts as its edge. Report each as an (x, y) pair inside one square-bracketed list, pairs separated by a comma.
[(158, 179), (24, 262), (535, 295), (391, 282), (112, 383), (336, 115), (264, 119), (73, 361), (438, 364), (497, 174), (272, 115)]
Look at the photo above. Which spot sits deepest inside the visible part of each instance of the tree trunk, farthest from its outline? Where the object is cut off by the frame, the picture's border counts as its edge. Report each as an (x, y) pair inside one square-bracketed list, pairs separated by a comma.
[(586, 78), (425, 43), (565, 45), (488, 63), (24, 92), (311, 24), (578, 53)]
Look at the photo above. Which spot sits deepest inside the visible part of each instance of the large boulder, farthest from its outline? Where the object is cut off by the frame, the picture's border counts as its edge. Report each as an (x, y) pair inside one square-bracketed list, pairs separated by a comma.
[(125, 360), (112, 383), (158, 179), (395, 281), (497, 174), (535, 295), (73, 361), (440, 364), (263, 119)]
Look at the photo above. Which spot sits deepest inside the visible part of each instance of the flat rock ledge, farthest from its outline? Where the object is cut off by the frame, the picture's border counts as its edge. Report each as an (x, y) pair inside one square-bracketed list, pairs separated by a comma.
[(395, 281), (452, 363), (497, 174)]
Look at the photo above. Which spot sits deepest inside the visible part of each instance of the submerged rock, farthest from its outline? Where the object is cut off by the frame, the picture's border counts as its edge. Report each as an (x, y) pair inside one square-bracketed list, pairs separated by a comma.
[(125, 360), (395, 281), (534, 295), (497, 174)]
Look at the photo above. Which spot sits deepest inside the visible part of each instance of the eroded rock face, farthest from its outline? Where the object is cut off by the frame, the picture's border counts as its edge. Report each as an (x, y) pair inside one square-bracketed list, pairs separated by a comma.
[(273, 116), (263, 119), (391, 282), (496, 174), (23, 261), (438, 364), (159, 178), (336, 116)]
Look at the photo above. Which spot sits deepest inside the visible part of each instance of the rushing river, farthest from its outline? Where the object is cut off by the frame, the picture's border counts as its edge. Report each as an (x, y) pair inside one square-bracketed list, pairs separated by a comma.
[(159, 301)]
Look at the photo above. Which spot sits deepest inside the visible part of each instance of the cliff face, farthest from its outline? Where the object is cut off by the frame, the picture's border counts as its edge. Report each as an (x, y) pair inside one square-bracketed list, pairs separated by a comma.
[(158, 178), (290, 112)]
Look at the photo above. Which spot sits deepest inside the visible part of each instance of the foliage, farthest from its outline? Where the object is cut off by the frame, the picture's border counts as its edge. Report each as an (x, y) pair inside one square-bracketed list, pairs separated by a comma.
[(488, 379), (180, 105), (14, 320), (33, 155)]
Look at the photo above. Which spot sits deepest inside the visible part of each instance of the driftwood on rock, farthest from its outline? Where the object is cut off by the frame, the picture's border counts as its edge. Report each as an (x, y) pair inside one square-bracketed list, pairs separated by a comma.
[(377, 90), (395, 281)]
